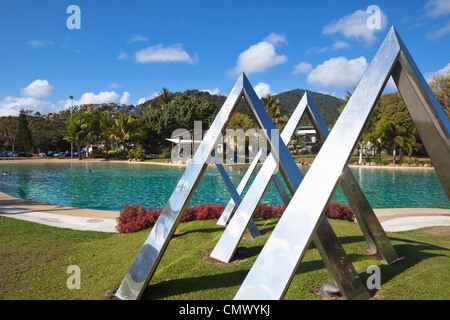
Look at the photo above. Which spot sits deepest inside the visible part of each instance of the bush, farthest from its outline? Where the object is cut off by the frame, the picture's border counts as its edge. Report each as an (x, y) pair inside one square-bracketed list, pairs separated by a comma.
[(167, 152), (203, 212), (267, 211), (339, 211), (95, 153), (134, 218), (136, 153)]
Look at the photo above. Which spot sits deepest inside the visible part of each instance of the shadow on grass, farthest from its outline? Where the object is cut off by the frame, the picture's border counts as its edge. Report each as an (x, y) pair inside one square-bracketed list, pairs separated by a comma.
[(411, 252), (176, 287)]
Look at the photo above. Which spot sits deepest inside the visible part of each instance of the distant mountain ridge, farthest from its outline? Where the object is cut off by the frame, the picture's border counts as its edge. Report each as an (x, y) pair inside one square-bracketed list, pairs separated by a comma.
[(326, 105)]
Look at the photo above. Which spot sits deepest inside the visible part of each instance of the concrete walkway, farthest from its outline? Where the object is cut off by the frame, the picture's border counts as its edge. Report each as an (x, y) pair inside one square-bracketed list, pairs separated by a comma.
[(105, 221), (58, 216)]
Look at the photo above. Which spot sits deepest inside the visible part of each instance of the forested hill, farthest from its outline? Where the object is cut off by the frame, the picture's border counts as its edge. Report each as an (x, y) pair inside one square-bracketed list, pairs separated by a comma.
[(326, 105)]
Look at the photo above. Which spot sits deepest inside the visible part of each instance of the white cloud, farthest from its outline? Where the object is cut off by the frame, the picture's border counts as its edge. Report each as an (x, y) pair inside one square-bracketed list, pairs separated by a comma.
[(122, 56), (338, 73), (212, 91), (102, 97), (275, 38), (302, 67), (339, 45), (262, 89), (141, 101), (137, 38), (154, 95), (125, 98), (445, 70), (37, 89), (11, 106), (439, 33), (436, 8), (40, 43), (258, 58), (159, 53), (354, 26)]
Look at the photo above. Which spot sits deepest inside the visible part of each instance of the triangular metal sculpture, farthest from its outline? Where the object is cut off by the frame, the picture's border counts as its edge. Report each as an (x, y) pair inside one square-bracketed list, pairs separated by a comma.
[(151, 252), (305, 224), (272, 272), (236, 193), (148, 258), (325, 240), (375, 236)]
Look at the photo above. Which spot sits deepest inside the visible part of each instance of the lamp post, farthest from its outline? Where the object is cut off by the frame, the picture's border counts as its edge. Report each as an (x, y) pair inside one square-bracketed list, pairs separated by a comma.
[(71, 143)]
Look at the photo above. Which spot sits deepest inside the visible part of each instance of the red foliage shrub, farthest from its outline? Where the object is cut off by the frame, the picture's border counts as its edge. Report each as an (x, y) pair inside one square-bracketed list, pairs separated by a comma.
[(267, 211), (203, 212), (340, 211), (134, 218)]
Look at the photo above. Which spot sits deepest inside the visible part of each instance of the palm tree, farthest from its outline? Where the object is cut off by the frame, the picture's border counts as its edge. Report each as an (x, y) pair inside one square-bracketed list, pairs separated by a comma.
[(93, 128), (105, 130), (77, 130), (125, 129), (398, 136), (165, 96), (272, 106)]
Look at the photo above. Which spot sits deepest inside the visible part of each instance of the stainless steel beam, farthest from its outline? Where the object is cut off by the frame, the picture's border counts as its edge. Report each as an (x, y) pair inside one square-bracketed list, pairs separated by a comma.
[(371, 228), (225, 216), (291, 237), (235, 195), (294, 231), (428, 116), (334, 257), (147, 260)]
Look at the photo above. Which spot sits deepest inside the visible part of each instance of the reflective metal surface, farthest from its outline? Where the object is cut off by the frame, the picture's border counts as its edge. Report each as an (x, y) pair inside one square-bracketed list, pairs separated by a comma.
[(333, 255), (228, 242), (147, 260), (365, 216), (253, 229), (303, 219), (376, 238), (222, 221), (275, 266), (428, 116)]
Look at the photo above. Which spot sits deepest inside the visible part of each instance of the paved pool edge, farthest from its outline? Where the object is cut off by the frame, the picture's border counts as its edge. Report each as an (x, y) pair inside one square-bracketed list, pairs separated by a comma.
[(395, 219)]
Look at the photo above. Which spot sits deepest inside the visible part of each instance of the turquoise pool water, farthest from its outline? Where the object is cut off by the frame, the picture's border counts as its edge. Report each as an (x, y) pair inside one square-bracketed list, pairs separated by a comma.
[(110, 186)]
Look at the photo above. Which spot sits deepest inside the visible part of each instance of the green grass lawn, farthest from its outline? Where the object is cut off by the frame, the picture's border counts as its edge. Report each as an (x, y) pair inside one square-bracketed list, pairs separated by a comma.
[(34, 260)]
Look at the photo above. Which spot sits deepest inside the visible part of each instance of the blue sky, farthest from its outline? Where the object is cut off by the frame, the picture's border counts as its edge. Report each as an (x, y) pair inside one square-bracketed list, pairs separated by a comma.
[(127, 51)]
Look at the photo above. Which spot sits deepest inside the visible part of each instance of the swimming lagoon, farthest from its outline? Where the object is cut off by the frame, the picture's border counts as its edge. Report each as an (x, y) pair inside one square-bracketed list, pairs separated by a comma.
[(110, 186)]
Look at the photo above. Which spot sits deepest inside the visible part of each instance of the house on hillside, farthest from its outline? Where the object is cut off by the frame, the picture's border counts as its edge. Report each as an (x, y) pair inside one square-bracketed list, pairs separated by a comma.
[(310, 133)]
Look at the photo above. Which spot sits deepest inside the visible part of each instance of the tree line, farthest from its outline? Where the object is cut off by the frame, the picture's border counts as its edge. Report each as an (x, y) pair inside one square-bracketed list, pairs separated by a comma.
[(390, 127)]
